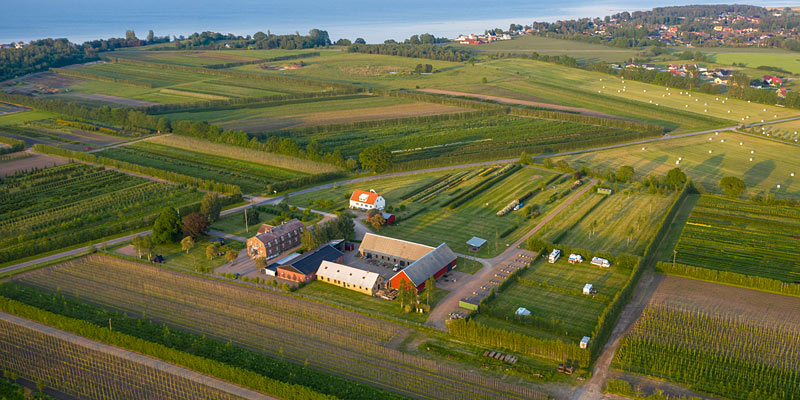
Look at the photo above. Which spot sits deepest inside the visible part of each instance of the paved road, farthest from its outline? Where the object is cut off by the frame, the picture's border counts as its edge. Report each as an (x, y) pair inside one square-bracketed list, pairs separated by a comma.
[(472, 282), (777, 121), (116, 352)]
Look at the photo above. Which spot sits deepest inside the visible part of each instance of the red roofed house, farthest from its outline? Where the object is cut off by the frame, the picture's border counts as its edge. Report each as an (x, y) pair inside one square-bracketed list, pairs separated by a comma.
[(773, 80), (367, 200)]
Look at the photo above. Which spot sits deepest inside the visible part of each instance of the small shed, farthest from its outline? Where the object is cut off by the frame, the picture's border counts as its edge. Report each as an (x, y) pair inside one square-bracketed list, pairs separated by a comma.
[(469, 303), (604, 190), (388, 217), (585, 342), (522, 312), (587, 289), (271, 270), (476, 243)]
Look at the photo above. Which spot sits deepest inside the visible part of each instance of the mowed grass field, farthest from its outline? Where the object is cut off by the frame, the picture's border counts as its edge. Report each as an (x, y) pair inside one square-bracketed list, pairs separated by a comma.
[(553, 294), (616, 223), (787, 61), (595, 82), (742, 237), (707, 159), (583, 52), (788, 131)]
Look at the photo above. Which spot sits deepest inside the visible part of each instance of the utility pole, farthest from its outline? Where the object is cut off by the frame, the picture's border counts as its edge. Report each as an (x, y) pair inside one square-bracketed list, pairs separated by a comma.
[(674, 254), (109, 324), (246, 228)]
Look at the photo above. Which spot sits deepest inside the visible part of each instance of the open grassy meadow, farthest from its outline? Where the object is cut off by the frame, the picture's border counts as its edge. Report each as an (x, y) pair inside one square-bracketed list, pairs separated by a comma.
[(616, 223), (583, 52), (742, 237), (595, 82), (784, 60), (706, 159), (553, 294), (204, 58)]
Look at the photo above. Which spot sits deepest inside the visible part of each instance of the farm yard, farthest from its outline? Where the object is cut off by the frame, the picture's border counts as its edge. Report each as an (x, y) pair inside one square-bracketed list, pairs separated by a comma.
[(345, 343), (706, 159), (455, 205), (742, 237), (724, 341), (56, 207), (623, 222)]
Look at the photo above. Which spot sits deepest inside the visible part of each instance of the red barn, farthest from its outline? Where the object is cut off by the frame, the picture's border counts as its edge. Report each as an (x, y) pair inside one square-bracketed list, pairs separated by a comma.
[(434, 264), (388, 217)]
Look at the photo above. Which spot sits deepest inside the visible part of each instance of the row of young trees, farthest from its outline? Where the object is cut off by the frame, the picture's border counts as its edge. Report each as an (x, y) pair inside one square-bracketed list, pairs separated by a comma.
[(225, 188), (14, 145)]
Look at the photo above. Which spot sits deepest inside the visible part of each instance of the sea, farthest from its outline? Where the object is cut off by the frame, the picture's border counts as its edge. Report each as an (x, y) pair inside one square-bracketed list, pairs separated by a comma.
[(375, 21)]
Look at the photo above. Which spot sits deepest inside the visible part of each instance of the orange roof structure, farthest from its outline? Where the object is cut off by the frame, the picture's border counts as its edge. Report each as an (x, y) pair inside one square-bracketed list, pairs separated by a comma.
[(364, 197)]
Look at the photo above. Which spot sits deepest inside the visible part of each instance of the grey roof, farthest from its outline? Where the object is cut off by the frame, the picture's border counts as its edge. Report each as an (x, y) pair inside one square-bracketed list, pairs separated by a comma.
[(393, 247), (419, 271), (309, 262), (276, 232), (476, 242)]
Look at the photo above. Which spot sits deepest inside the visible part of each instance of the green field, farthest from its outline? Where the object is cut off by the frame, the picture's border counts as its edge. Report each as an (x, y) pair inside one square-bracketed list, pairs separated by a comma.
[(608, 85), (788, 131), (553, 294), (150, 75), (474, 139), (202, 58), (742, 237), (772, 164), (73, 203), (583, 52), (251, 177), (617, 223), (25, 116), (787, 61)]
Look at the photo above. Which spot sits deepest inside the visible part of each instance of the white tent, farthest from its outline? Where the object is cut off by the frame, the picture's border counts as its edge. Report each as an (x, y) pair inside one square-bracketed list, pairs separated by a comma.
[(522, 312), (587, 289)]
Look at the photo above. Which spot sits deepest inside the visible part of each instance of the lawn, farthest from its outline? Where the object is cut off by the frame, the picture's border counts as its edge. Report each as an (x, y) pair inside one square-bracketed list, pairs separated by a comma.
[(151, 75), (195, 260), (468, 266), (583, 52), (742, 237), (772, 163), (363, 303), (235, 224), (617, 223), (553, 294)]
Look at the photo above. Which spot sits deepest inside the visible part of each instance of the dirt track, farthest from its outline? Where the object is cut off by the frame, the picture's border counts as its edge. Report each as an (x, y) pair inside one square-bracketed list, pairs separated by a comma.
[(579, 110)]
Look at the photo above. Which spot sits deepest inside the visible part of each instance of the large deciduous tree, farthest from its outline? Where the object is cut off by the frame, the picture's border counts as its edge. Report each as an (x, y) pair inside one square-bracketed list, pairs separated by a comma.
[(732, 186), (376, 158), (675, 178), (195, 225), (167, 228), (210, 206)]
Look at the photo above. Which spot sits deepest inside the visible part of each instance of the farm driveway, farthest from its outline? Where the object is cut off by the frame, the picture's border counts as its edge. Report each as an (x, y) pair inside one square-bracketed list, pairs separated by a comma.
[(472, 282)]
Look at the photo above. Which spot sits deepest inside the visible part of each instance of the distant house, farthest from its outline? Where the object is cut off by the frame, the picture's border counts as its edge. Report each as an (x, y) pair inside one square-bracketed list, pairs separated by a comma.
[(649, 67), (270, 241), (19, 45), (304, 268), (773, 80), (720, 81), (781, 92), (367, 200), (349, 277)]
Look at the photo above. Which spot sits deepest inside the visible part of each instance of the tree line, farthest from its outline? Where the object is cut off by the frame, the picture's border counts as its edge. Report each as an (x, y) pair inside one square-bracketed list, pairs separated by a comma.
[(430, 51), (41, 55), (260, 40), (14, 145)]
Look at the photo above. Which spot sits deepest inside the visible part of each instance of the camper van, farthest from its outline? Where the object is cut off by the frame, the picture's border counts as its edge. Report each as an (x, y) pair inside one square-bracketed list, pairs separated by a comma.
[(575, 259), (600, 262), (554, 256)]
